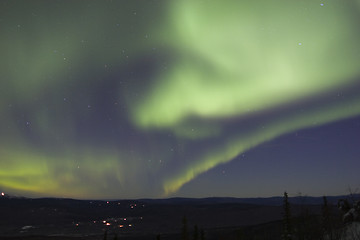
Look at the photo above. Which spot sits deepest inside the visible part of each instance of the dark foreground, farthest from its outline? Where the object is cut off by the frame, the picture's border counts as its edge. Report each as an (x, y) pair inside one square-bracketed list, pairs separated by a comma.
[(217, 218)]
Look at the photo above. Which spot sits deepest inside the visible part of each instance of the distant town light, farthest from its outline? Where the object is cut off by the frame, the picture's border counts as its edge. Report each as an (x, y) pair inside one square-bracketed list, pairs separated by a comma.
[(108, 224), (120, 226)]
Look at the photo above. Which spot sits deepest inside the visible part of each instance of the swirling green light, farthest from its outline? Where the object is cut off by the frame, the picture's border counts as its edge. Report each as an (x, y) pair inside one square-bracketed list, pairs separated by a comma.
[(243, 142), (241, 56)]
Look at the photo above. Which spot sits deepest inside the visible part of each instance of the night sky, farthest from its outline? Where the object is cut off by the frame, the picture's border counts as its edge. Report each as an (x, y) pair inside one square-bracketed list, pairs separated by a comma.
[(192, 98)]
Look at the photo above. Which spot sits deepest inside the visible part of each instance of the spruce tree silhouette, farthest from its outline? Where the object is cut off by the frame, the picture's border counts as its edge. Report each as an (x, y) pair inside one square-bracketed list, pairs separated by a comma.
[(184, 233), (287, 228), (326, 222)]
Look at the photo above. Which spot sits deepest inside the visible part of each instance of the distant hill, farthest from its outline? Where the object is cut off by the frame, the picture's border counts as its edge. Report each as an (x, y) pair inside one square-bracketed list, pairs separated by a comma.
[(269, 201)]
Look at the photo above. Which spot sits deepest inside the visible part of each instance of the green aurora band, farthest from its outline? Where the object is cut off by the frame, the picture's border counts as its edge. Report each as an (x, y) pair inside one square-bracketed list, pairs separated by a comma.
[(239, 62), (241, 56), (229, 61)]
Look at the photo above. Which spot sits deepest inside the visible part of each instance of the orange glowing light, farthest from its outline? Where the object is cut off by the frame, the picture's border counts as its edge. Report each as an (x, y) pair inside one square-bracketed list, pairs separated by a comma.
[(108, 224), (120, 226)]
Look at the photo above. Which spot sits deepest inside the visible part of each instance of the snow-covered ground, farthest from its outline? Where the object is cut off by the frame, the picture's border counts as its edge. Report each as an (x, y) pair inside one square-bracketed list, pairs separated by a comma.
[(352, 232)]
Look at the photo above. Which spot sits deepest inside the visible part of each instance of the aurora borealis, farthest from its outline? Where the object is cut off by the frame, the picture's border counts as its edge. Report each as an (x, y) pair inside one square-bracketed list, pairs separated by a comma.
[(157, 98)]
